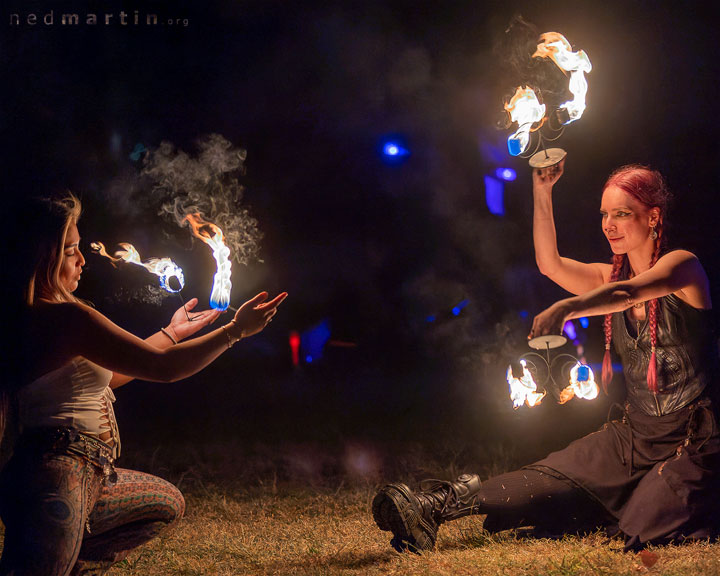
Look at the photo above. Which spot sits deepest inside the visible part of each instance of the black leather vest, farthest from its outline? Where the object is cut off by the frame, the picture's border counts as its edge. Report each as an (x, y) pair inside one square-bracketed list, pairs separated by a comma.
[(686, 353)]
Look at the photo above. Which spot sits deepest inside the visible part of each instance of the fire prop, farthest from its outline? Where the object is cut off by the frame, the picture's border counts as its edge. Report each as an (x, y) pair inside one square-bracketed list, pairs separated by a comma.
[(557, 48), (522, 376), (524, 109), (164, 268), (213, 237), (523, 389), (527, 110)]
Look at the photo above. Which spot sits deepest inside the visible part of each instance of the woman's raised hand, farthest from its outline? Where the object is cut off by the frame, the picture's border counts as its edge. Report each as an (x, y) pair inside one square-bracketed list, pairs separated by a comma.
[(545, 178), (257, 313), (180, 327)]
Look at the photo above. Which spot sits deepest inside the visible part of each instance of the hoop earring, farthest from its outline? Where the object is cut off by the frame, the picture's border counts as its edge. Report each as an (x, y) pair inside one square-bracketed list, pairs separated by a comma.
[(653, 233)]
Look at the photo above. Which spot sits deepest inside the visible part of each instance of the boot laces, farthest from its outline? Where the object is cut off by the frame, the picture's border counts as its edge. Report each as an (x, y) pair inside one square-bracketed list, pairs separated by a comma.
[(449, 497)]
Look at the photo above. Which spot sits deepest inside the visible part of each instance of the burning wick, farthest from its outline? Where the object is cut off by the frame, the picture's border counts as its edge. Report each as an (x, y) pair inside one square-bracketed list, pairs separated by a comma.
[(582, 384), (170, 274), (555, 46), (525, 109), (212, 235), (522, 386), (164, 268)]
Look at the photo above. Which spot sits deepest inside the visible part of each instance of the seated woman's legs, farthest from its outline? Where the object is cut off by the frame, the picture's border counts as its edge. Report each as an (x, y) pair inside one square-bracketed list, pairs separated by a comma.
[(131, 512), (521, 498)]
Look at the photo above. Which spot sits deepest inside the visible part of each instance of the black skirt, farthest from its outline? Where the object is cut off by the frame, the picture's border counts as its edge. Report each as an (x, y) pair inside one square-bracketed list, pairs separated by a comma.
[(657, 476)]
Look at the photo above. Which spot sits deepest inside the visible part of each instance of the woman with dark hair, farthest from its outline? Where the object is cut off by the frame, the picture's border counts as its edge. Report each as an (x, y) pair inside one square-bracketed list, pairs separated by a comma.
[(652, 474), (66, 508)]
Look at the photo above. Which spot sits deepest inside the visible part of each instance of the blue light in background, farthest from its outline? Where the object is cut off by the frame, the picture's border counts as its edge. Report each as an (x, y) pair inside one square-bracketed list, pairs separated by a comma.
[(313, 340), (394, 150), (494, 196), (569, 329), (430, 318), (456, 310), (523, 314), (507, 174), (584, 322), (391, 150)]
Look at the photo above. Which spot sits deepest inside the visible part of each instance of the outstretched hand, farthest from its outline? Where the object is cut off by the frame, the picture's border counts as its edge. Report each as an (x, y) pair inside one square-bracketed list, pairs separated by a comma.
[(549, 321), (180, 327), (257, 313), (547, 177)]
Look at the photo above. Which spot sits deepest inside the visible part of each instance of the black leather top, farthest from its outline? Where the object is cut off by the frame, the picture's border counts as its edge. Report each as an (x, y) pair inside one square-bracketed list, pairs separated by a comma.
[(686, 351)]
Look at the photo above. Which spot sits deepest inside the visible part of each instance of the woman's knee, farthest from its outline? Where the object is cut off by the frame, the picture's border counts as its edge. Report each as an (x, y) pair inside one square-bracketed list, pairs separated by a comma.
[(161, 500), (175, 502)]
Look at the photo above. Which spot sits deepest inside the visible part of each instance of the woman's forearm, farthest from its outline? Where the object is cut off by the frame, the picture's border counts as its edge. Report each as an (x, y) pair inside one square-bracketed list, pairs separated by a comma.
[(161, 339), (187, 358), (606, 299), (547, 256), (108, 345)]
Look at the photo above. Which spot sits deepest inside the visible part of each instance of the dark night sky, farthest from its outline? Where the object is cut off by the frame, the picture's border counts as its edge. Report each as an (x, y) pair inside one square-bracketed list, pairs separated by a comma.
[(309, 89)]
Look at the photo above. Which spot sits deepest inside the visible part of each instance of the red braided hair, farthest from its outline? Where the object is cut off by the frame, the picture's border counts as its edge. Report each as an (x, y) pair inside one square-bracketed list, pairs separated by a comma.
[(652, 320), (647, 187), (607, 371)]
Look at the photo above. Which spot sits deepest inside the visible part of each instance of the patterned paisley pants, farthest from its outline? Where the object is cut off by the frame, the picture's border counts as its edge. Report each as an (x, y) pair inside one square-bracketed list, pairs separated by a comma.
[(48, 501)]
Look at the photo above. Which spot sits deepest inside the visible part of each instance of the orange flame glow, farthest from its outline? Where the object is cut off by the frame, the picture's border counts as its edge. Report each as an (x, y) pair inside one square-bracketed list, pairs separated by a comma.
[(582, 384), (523, 389), (555, 46), (525, 109), (164, 268), (212, 235)]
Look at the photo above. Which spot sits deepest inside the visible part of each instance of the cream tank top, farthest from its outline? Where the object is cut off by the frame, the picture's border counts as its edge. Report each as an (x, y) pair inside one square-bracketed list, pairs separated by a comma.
[(77, 395)]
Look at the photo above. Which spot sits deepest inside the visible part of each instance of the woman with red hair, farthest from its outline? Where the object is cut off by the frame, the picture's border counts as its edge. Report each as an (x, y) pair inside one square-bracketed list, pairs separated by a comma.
[(651, 474)]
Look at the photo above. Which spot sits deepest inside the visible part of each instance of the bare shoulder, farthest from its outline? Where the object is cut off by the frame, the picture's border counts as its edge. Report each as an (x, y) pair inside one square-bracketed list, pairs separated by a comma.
[(680, 256), (683, 263), (63, 312), (688, 273), (71, 319)]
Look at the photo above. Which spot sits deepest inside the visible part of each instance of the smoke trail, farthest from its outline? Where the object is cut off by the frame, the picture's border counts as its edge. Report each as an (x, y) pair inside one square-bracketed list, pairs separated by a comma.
[(208, 184), (148, 294)]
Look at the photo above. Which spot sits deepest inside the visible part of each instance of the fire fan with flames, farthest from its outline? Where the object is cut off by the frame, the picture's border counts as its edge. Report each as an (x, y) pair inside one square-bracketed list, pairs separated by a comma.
[(522, 376), (530, 114)]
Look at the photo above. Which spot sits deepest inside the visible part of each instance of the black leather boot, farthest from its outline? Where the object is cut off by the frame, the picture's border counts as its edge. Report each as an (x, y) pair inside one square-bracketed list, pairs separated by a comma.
[(414, 518)]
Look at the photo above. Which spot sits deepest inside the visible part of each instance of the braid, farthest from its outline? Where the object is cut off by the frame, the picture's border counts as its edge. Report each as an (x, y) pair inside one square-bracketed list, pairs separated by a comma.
[(607, 372), (652, 320), (647, 187)]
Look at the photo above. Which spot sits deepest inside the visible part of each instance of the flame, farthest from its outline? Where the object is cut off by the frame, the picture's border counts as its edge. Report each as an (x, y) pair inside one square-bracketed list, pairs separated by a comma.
[(523, 389), (213, 237), (556, 47), (164, 268), (525, 109), (582, 384)]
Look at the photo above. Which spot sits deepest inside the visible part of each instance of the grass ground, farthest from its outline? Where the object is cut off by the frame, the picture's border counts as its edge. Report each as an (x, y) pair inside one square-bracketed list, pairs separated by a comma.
[(331, 532), (305, 510)]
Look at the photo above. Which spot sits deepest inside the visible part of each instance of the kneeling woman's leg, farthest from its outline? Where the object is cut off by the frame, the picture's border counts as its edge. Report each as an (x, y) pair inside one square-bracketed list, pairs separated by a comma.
[(521, 498), (45, 499), (129, 513)]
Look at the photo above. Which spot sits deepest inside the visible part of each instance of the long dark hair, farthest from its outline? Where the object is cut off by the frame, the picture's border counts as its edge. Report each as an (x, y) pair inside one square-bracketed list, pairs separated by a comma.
[(34, 259), (648, 187)]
